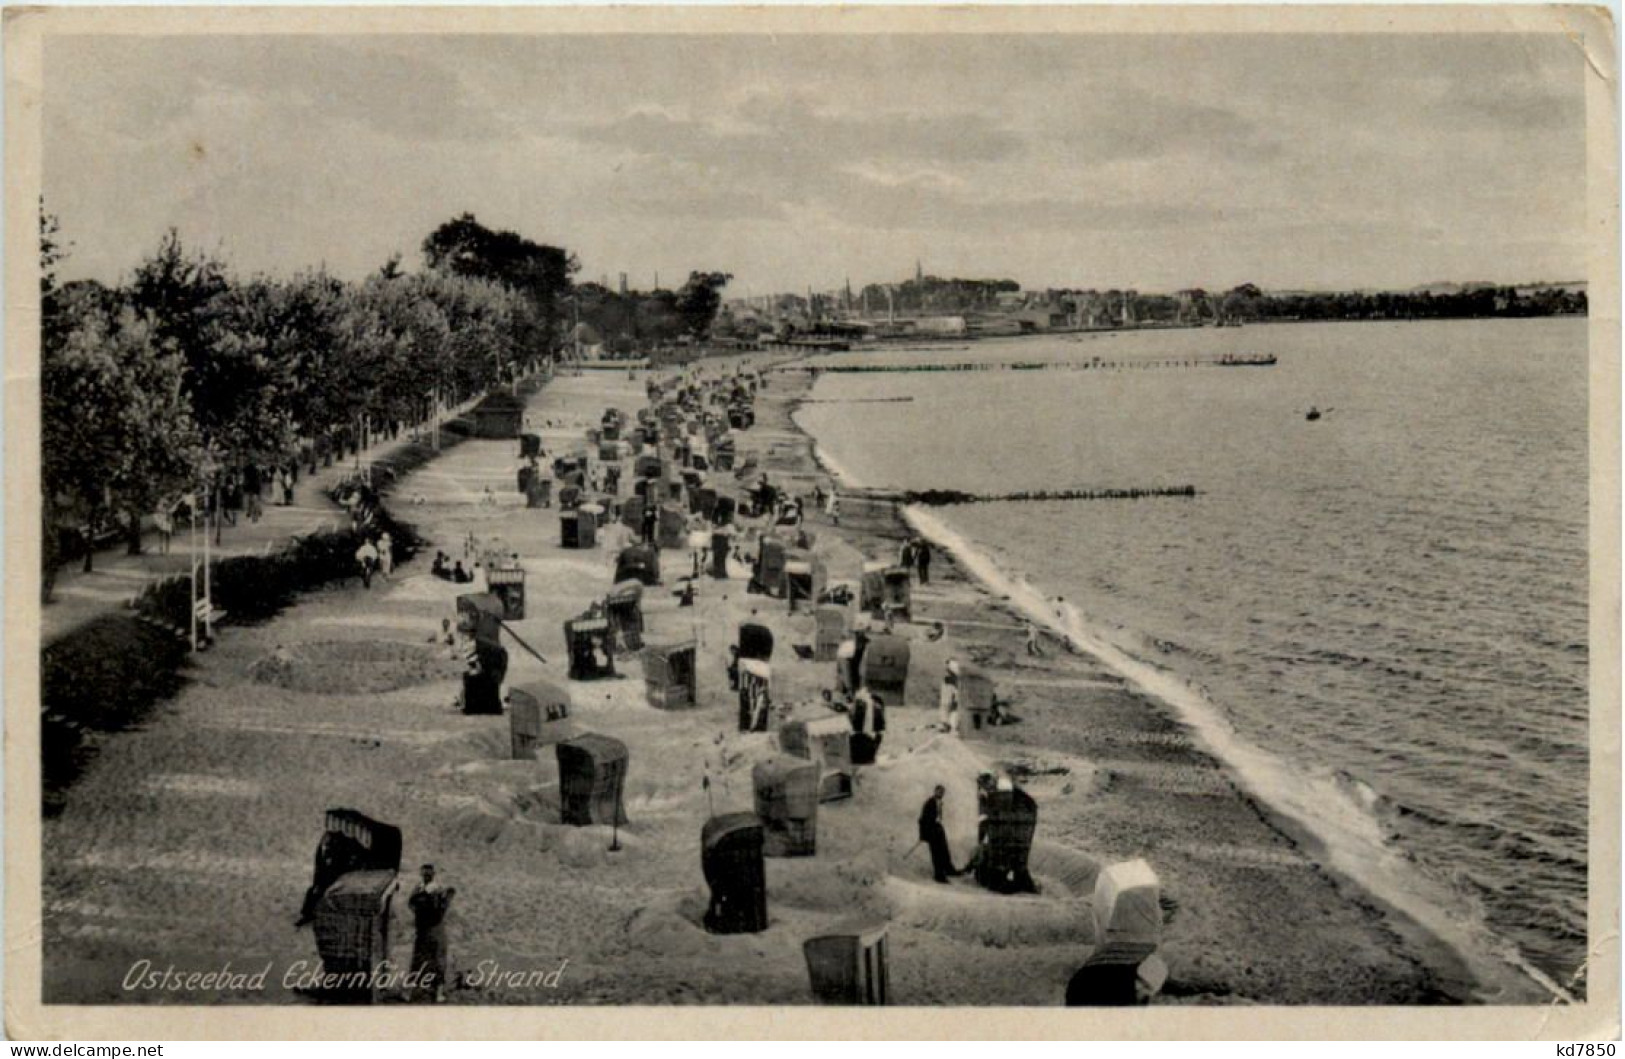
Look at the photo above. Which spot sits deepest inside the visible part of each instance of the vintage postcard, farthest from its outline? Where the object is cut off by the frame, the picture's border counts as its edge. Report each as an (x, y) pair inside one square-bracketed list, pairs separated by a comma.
[(996, 521)]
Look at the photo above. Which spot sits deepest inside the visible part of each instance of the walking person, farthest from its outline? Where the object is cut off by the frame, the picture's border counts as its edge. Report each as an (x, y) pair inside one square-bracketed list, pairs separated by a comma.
[(287, 488), (922, 560), (386, 555), (251, 491), (366, 557), (429, 903), (1033, 650), (163, 520), (651, 520), (935, 836)]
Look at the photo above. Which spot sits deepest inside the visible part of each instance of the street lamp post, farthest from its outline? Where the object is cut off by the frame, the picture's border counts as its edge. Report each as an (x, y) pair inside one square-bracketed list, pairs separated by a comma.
[(192, 595)]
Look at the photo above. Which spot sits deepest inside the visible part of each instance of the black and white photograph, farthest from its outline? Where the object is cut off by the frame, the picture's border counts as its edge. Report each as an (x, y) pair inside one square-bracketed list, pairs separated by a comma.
[(1002, 509)]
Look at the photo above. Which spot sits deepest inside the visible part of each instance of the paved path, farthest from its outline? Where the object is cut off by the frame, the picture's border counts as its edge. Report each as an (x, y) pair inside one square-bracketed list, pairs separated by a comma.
[(117, 578)]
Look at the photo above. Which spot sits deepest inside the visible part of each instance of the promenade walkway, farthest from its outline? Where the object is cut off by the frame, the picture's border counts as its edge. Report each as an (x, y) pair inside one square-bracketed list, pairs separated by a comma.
[(117, 578)]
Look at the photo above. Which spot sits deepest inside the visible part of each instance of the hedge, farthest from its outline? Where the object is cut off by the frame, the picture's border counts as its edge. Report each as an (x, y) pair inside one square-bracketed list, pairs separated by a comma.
[(107, 675)]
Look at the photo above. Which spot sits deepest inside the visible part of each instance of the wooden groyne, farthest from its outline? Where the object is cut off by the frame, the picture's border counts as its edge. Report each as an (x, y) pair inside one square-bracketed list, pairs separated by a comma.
[(856, 400), (946, 497), (1092, 364)]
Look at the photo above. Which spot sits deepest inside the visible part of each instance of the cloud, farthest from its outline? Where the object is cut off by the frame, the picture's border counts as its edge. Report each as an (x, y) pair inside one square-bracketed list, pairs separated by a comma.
[(136, 89), (775, 131), (778, 157), (804, 153), (1131, 125)]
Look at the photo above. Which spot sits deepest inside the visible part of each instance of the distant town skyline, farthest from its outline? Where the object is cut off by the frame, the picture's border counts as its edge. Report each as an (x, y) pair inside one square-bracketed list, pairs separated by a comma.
[(1151, 162)]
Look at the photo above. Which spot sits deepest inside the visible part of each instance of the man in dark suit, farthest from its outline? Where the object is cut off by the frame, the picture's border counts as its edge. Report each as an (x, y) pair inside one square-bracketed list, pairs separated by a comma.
[(933, 835)]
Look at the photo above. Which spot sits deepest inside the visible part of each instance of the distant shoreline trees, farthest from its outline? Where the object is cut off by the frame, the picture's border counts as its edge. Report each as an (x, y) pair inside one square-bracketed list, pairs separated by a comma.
[(936, 296), (630, 322)]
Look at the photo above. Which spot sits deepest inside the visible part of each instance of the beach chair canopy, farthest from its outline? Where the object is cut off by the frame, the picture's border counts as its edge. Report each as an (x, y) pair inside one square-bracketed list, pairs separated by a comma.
[(755, 641), (1128, 906), (377, 844), (885, 660), (847, 963), (726, 840), (638, 563), (550, 701), (1012, 819), (592, 776), (625, 593)]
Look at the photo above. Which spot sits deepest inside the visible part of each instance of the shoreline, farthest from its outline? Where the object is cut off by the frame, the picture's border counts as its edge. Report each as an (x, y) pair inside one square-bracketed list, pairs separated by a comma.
[(1458, 976), (1115, 778)]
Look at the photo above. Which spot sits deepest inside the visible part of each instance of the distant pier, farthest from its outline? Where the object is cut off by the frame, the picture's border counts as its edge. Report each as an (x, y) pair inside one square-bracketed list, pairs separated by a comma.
[(1227, 360), (946, 497)]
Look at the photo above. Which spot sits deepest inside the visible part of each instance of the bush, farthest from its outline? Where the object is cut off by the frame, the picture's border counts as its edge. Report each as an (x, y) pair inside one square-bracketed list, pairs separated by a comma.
[(107, 675), (104, 677)]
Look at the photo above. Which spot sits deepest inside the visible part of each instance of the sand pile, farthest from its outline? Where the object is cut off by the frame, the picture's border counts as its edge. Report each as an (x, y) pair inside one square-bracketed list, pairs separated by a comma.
[(347, 667)]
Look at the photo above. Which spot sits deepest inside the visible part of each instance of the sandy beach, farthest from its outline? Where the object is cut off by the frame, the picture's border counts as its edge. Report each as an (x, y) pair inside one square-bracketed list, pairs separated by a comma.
[(189, 842)]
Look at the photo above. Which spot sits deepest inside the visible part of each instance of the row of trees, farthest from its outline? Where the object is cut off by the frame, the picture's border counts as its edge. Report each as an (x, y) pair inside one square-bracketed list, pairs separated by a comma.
[(1115, 307), (1129, 308), (161, 386), (1472, 302)]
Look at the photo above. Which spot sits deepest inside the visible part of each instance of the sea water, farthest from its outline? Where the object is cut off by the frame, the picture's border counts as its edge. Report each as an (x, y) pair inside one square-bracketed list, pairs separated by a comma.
[(1379, 617)]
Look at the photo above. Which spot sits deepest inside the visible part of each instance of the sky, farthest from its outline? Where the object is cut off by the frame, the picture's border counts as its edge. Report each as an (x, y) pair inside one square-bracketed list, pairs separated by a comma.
[(1152, 162)]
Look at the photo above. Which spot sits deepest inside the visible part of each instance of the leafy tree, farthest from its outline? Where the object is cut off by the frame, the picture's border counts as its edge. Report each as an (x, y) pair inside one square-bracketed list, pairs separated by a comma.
[(656, 319), (117, 432), (52, 251), (699, 299), (539, 273), (299, 321)]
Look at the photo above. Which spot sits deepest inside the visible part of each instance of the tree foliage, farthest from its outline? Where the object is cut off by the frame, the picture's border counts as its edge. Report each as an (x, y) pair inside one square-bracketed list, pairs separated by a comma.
[(538, 273), (650, 319), (139, 382), (699, 300), (117, 427)]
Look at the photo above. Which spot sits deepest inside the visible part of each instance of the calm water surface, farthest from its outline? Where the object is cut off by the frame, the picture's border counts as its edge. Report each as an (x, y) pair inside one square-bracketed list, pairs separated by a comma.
[(1392, 599)]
